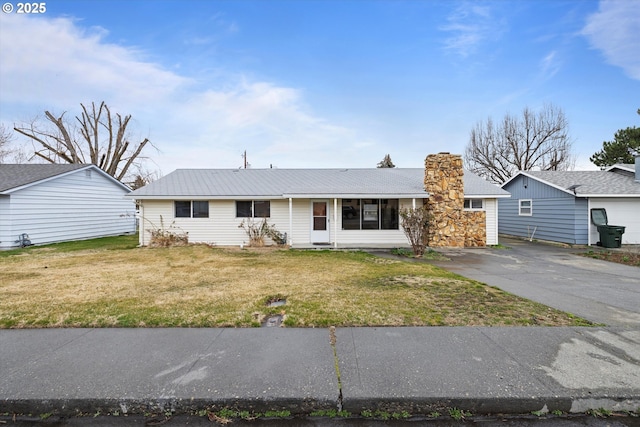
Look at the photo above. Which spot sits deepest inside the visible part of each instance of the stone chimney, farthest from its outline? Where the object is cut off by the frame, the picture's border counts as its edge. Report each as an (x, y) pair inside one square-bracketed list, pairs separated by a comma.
[(443, 182), (451, 225)]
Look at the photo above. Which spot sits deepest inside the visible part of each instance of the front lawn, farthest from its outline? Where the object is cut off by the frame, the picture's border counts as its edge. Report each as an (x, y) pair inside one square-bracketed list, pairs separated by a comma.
[(111, 283)]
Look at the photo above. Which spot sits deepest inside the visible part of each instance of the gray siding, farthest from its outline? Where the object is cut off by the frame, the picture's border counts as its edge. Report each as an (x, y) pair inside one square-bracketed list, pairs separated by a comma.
[(80, 205), (556, 216)]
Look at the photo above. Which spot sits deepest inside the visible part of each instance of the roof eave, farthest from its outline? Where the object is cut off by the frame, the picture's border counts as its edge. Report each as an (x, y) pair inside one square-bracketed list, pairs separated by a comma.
[(487, 196), (626, 195), (286, 196), (62, 174), (550, 184), (422, 195)]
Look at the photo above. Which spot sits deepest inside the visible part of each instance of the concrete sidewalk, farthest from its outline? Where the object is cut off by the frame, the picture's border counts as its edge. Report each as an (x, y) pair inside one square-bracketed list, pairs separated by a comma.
[(416, 369)]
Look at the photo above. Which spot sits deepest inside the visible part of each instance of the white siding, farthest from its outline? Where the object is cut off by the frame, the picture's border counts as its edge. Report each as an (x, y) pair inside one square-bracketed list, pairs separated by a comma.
[(620, 211), (76, 206), (491, 209), (221, 228), (6, 235)]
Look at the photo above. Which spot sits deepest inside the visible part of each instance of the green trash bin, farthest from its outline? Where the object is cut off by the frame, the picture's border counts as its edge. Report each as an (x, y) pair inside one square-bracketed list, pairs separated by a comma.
[(610, 235)]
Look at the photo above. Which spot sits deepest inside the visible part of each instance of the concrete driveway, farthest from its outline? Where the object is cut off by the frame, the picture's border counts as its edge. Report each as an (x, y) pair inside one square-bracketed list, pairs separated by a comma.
[(599, 291)]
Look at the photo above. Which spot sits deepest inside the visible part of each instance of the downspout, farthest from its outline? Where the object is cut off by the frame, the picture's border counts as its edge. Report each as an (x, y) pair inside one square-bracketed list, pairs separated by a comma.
[(290, 242), (335, 223)]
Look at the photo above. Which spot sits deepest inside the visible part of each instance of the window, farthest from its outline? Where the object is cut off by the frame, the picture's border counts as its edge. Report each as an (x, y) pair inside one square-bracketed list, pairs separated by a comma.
[(253, 209), (473, 204), (525, 207), (200, 209), (370, 214), (191, 209)]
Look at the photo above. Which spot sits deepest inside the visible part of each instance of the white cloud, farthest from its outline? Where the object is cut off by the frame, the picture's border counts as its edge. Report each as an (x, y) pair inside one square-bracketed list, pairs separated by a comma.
[(470, 25), (61, 65), (549, 65), (615, 31)]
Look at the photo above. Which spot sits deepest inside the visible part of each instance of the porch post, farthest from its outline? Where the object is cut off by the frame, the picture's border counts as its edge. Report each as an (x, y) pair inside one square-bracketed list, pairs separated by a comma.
[(290, 237), (335, 223), (141, 229), (588, 221), (413, 202)]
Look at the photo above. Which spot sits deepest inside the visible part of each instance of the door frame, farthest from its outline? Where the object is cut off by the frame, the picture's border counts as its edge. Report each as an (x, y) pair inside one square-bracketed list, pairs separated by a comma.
[(320, 236)]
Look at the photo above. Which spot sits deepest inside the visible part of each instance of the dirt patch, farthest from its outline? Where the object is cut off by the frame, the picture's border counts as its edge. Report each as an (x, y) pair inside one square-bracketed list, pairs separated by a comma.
[(620, 257)]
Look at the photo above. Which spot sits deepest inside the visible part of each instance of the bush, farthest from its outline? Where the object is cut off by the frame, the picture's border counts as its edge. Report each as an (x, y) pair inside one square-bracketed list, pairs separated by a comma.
[(257, 231), (165, 237), (415, 223)]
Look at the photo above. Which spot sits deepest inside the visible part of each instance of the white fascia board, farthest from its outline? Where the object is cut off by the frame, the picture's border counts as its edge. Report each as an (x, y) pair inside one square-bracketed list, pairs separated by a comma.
[(512, 178), (358, 196), (487, 196), (550, 184), (288, 196), (630, 196), (204, 197), (622, 168)]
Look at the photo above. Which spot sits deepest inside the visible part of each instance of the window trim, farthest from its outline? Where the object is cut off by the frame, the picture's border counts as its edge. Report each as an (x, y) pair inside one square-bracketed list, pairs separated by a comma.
[(529, 208), (471, 208)]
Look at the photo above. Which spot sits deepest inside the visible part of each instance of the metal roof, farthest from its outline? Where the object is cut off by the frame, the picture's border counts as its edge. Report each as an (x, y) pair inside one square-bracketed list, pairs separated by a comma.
[(14, 176), (588, 183), (271, 183)]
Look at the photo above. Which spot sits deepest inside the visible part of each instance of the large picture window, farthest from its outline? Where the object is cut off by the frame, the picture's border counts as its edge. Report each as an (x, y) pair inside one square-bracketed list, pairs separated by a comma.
[(191, 208), (253, 209), (370, 214)]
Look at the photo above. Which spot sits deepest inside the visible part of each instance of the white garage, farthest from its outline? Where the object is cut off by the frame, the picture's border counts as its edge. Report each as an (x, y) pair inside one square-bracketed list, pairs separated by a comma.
[(620, 211)]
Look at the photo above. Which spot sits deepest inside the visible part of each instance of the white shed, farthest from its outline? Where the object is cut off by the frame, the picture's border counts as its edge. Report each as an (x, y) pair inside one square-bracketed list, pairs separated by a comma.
[(55, 203)]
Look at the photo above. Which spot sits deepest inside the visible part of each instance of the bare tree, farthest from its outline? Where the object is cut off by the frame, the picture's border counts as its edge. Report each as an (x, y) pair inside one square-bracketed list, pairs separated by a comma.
[(532, 141), (5, 139), (97, 137)]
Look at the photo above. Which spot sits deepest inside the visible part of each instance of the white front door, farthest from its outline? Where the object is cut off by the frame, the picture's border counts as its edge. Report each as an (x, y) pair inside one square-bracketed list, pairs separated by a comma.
[(320, 221)]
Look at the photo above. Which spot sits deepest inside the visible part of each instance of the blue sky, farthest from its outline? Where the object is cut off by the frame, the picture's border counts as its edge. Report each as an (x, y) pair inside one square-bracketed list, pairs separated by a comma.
[(323, 83)]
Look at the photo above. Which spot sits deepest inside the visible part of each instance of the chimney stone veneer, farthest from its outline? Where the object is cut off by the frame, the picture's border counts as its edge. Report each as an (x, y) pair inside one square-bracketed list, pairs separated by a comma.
[(450, 225)]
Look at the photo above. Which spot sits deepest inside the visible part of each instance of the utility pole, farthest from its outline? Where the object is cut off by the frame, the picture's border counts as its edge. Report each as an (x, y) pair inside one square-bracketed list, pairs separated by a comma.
[(244, 156)]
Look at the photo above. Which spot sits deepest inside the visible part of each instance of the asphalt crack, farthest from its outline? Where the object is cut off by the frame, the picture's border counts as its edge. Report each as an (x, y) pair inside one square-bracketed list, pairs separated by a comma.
[(336, 363)]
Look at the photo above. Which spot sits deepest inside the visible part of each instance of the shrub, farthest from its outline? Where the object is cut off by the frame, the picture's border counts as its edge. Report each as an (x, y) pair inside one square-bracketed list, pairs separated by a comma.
[(415, 223), (165, 237), (257, 231)]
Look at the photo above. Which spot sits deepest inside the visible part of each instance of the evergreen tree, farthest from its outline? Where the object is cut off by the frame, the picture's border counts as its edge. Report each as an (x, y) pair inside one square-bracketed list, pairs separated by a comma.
[(623, 149), (386, 162)]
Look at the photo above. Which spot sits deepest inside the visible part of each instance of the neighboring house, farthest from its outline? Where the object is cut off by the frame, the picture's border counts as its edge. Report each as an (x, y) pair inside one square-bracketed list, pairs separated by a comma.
[(333, 207), (556, 205), (55, 203)]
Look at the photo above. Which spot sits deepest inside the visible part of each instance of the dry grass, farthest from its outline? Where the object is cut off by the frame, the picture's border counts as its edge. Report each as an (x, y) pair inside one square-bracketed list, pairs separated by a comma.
[(620, 257), (199, 286)]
